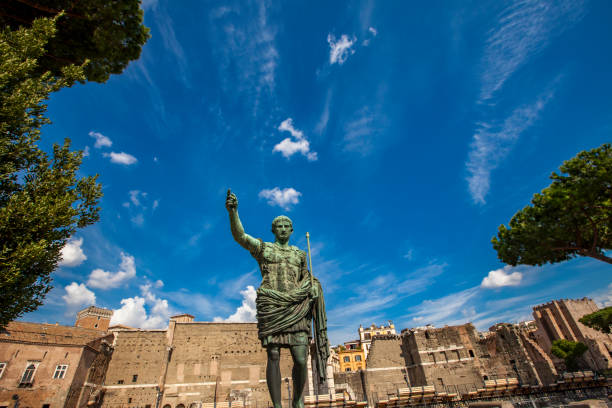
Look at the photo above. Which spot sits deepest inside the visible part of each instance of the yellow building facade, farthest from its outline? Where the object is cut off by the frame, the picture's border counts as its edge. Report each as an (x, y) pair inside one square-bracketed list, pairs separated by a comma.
[(352, 359)]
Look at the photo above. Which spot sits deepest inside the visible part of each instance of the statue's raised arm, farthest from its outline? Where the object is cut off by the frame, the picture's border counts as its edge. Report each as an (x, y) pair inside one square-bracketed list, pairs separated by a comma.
[(245, 240)]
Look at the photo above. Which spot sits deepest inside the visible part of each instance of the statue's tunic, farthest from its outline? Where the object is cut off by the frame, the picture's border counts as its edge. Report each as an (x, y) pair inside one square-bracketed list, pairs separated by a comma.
[(283, 303)]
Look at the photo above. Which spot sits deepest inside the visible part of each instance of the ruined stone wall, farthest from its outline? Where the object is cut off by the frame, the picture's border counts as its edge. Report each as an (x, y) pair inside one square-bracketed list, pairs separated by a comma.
[(559, 319), (225, 359), (350, 383), (135, 368), (385, 371), (508, 356), (445, 357), (543, 363)]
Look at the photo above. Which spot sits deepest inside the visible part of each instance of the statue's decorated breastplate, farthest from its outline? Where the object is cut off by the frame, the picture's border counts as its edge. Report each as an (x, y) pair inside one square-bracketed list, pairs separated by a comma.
[(280, 267)]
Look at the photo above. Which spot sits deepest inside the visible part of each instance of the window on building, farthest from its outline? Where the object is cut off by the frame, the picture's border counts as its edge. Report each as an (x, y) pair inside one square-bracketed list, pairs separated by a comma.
[(135, 378), (2, 367), (46, 406), (129, 400), (120, 382), (347, 369), (60, 371), (471, 353), (347, 359), (368, 336), (357, 358), (28, 374)]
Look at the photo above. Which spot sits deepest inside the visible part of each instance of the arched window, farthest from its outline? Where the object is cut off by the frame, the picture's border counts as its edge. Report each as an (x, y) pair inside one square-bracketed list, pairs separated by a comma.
[(167, 406), (348, 369), (471, 353), (180, 406)]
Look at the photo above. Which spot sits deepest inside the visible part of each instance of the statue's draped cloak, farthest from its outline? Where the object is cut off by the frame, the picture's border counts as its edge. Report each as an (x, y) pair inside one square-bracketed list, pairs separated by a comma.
[(285, 307)]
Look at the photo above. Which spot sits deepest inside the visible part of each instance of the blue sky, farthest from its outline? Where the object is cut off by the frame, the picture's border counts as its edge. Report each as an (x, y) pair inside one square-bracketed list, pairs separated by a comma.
[(399, 134)]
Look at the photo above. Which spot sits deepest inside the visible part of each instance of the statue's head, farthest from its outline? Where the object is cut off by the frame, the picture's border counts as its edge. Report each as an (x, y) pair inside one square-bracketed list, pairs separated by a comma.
[(282, 227)]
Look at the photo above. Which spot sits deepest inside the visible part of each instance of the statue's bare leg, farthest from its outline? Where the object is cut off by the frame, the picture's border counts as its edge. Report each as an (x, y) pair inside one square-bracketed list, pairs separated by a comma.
[(299, 373), (273, 375)]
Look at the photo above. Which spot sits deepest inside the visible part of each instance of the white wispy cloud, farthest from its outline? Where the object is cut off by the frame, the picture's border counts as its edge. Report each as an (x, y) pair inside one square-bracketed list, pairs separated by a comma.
[(324, 118), (285, 198), (72, 254), (247, 311), (373, 33), (339, 50), (102, 279), (502, 277), (247, 52), (164, 23), (297, 143), (86, 151), (101, 140), (147, 311), (361, 131), (138, 203), (493, 141), (77, 296), (603, 298), (523, 29), (121, 158), (441, 310)]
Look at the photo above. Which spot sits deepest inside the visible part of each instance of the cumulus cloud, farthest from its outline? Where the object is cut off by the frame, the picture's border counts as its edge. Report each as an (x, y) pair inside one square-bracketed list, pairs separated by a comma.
[(77, 295), (72, 254), (339, 50), (101, 140), (284, 198), (246, 311), (121, 158), (502, 277), (105, 280), (297, 143), (147, 311)]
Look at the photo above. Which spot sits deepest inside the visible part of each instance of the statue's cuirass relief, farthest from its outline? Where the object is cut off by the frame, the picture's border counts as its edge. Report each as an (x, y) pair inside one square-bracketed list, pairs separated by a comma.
[(281, 268)]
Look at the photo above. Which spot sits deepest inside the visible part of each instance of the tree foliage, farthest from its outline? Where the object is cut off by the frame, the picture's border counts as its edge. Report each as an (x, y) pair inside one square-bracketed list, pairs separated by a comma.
[(42, 200), (572, 217), (600, 320), (107, 33), (569, 351)]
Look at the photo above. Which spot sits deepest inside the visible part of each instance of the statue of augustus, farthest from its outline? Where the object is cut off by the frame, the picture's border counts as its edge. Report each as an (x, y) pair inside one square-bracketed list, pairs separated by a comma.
[(288, 299)]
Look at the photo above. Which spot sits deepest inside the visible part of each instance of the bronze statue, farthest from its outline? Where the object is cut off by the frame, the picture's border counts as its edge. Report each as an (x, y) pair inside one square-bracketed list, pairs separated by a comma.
[(288, 299)]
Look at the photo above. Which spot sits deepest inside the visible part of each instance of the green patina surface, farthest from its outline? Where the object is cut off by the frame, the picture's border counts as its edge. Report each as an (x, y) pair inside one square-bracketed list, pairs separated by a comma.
[(289, 299)]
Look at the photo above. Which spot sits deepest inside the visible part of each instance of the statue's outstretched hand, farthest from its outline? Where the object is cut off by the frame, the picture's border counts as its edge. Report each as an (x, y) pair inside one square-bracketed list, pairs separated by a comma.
[(231, 202)]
